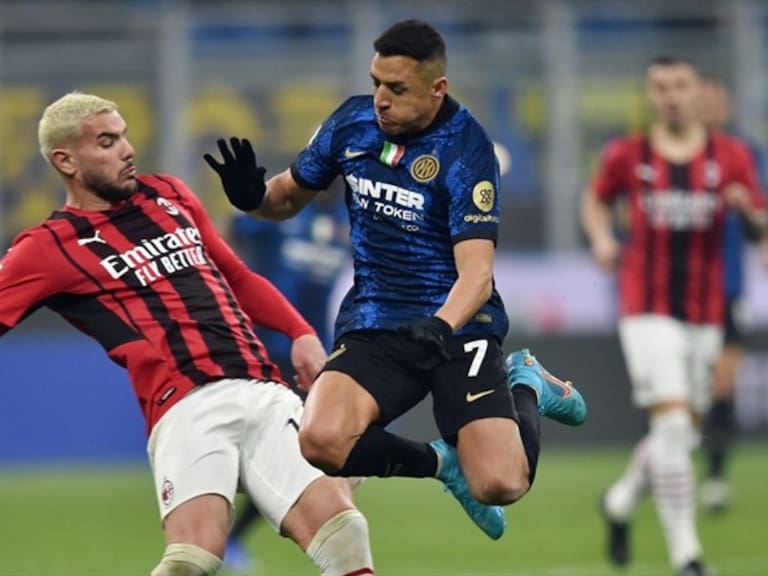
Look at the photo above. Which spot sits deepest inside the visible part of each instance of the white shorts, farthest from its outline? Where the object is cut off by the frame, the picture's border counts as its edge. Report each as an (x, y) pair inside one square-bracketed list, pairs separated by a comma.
[(230, 433), (668, 359)]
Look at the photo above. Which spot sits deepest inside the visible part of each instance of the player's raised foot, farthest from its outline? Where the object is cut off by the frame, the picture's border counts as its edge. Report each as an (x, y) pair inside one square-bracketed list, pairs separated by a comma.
[(557, 399), (490, 519), (618, 537)]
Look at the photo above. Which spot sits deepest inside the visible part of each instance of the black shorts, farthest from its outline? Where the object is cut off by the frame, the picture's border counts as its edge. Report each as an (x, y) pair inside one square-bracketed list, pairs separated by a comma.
[(470, 386), (735, 322)]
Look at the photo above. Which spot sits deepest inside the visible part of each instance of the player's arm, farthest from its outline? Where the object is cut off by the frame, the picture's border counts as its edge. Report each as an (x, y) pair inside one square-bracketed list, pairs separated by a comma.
[(265, 305), (744, 195), (471, 189), (597, 220), (738, 198), (284, 198), (474, 285), (26, 280), (596, 212), (472, 289), (261, 300)]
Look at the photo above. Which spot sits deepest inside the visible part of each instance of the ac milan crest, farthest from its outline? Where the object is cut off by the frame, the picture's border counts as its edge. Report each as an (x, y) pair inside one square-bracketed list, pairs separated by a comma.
[(166, 492)]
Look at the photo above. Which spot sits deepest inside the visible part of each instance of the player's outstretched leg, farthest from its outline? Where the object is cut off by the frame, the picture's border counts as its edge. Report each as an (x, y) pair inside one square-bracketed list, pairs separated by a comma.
[(558, 399), (490, 519)]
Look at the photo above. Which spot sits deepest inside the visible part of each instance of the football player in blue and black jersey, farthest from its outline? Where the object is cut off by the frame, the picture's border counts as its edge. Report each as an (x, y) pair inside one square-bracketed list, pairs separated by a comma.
[(423, 316)]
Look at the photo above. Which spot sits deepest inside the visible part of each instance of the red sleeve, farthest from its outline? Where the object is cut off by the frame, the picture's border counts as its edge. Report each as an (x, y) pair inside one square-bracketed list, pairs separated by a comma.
[(745, 172), (25, 280), (612, 176), (260, 299)]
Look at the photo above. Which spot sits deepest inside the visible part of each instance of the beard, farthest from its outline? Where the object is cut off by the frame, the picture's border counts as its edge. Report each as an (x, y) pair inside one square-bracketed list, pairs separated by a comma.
[(109, 191)]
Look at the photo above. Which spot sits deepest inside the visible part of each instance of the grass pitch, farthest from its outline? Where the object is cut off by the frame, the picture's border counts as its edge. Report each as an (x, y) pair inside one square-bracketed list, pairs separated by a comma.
[(103, 522)]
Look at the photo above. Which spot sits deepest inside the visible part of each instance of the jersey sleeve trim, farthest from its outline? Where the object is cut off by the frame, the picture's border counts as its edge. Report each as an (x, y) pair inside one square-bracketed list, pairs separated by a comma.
[(475, 235), (301, 181)]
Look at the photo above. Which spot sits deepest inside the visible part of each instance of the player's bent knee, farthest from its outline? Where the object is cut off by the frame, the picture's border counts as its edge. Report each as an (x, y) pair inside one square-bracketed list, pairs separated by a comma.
[(515, 490), (502, 490), (674, 428), (187, 560), (321, 450)]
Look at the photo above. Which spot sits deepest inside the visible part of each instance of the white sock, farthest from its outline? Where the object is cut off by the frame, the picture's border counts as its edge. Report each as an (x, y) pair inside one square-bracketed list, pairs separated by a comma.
[(672, 483), (341, 546), (624, 495), (187, 560)]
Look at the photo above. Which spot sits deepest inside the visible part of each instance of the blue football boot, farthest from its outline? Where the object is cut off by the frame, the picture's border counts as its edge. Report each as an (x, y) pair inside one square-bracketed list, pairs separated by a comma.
[(490, 519), (557, 400)]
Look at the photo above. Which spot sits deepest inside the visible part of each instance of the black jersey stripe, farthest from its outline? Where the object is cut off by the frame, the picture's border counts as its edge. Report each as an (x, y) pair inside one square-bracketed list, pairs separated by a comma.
[(646, 159), (118, 330), (243, 322), (181, 352), (213, 328), (714, 239), (679, 245), (94, 318)]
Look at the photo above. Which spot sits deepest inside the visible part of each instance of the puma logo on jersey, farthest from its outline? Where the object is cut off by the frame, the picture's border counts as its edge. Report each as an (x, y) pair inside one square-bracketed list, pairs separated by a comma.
[(95, 238)]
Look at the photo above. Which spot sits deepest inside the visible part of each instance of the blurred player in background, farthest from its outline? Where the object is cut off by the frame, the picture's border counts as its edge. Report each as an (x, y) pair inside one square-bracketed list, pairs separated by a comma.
[(720, 424), (423, 315), (303, 257), (680, 180), (135, 262)]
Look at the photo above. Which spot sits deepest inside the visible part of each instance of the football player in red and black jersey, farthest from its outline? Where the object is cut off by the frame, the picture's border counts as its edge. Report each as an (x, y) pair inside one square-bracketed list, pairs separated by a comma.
[(679, 180), (134, 261)]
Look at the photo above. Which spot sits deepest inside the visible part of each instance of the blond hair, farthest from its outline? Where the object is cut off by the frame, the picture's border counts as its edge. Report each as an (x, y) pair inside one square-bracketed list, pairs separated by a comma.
[(62, 119)]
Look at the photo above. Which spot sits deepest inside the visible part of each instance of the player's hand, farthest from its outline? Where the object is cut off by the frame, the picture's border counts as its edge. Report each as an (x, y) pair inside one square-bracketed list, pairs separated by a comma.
[(308, 358), (737, 197), (428, 338), (241, 176), (606, 251)]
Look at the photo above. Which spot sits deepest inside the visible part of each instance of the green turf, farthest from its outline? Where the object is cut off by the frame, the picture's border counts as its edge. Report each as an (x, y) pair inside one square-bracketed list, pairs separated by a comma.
[(103, 522)]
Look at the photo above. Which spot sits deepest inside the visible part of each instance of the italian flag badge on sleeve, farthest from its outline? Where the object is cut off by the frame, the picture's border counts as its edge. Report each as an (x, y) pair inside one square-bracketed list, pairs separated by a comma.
[(391, 154)]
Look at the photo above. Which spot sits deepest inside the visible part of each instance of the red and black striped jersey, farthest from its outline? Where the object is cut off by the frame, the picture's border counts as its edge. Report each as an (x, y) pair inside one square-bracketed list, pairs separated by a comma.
[(153, 282), (672, 263)]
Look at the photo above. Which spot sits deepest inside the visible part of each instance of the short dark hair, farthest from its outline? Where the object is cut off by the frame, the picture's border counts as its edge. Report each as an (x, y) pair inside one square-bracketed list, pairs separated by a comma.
[(670, 60), (413, 38)]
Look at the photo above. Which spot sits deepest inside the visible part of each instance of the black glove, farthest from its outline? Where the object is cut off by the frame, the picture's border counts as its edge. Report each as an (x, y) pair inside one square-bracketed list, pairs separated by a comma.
[(428, 338), (240, 174)]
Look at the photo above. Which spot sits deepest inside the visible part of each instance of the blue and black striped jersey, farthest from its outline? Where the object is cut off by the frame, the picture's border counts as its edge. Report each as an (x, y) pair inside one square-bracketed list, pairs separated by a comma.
[(410, 199)]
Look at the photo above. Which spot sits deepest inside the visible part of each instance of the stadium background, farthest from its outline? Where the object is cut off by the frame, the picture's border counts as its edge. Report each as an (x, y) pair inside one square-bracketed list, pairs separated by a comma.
[(549, 79)]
